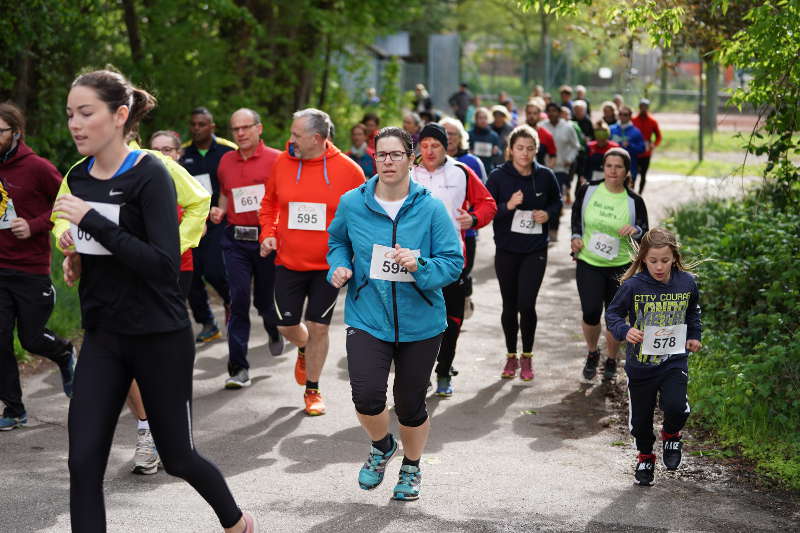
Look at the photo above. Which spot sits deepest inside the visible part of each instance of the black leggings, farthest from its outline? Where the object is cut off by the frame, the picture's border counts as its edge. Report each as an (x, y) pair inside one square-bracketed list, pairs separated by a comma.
[(643, 394), (470, 243), (596, 288), (368, 362), (454, 295), (162, 366), (520, 277), (643, 165)]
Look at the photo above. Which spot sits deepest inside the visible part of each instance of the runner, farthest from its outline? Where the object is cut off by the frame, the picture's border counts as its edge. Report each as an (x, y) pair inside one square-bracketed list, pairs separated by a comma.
[(244, 175), (547, 146), (567, 148), (301, 200), (396, 243), (359, 149), (201, 158), (458, 148), (660, 300), (648, 126), (609, 112), (605, 217), (136, 325), (630, 138), (528, 197), (28, 187), (593, 170), (483, 141), (461, 191)]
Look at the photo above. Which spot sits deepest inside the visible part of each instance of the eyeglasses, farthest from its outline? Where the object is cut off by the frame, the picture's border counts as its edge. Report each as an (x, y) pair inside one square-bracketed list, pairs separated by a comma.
[(395, 156), (5, 130), (166, 150), (243, 128)]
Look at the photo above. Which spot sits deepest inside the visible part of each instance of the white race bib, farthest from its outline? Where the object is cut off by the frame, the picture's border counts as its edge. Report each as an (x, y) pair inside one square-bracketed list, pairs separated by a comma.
[(604, 245), (598, 175), (523, 223), (205, 181), (483, 149), (8, 216), (307, 216), (85, 243), (383, 265), (246, 199), (664, 340)]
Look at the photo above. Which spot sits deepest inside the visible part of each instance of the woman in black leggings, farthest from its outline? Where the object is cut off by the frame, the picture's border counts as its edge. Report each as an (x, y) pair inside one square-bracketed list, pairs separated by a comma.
[(121, 205), (528, 197)]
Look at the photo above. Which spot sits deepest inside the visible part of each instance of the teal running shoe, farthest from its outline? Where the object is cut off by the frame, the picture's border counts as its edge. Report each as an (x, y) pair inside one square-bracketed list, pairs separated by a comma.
[(371, 474), (444, 388), (7, 423), (407, 487)]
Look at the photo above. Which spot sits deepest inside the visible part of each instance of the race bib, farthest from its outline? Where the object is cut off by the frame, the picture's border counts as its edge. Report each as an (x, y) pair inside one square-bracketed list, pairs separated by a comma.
[(383, 265), (483, 149), (597, 175), (84, 242), (246, 199), (205, 181), (8, 216), (307, 216), (523, 223), (664, 340), (604, 245)]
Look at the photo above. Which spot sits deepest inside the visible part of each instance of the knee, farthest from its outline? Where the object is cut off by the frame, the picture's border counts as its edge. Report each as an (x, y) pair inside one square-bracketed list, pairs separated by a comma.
[(178, 466), (316, 330), (591, 316), (411, 412), (369, 401), (675, 408)]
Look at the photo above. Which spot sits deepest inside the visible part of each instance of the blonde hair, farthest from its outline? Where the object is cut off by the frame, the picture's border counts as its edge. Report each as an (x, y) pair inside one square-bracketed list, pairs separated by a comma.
[(463, 143), (657, 238)]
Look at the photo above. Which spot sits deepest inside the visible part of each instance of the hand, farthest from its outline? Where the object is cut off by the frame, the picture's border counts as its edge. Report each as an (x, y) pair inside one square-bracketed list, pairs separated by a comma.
[(464, 219), (648, 146), (540, 216), (694, 345), (71, 267), (268, 245), (20, 228), (72, 208), (576, 245), (515, 200), (340, 276), (65, 241), (634, 336), (216, 215), (404, 258), (627, 230)]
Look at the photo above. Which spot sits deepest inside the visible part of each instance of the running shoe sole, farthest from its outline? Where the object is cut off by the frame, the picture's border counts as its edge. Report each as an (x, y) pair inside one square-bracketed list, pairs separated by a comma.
[(235, 385), (217, 335), (403, 497), (15, 426), (145, 470)]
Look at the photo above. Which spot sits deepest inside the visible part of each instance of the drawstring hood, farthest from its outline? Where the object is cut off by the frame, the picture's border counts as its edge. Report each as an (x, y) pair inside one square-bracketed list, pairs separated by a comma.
[(330, 151)]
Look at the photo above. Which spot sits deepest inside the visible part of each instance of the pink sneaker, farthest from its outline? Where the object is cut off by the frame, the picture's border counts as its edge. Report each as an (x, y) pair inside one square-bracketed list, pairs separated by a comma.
[(526, 368), (510, 370), (249, 523)]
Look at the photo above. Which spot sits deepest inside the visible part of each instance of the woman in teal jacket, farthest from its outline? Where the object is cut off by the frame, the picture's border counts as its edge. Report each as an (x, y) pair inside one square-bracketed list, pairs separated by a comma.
[(397, 247)]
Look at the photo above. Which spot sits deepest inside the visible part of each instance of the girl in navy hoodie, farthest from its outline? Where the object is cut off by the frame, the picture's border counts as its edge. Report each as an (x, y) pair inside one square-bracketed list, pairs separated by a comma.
[(659, 299)]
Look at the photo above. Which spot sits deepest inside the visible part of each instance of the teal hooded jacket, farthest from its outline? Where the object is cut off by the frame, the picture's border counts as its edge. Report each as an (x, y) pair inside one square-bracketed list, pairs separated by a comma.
[(395, 311)]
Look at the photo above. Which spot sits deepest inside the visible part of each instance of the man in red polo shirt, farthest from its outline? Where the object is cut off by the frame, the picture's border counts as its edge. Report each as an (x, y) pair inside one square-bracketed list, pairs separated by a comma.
[(649, 128), (243, 177)]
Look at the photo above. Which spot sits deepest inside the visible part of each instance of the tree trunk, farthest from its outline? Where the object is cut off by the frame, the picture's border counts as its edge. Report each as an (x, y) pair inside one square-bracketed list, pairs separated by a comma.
[(132, 25), (662, 94), (323, 90), (712, 95), (544, 49), (22, 83)]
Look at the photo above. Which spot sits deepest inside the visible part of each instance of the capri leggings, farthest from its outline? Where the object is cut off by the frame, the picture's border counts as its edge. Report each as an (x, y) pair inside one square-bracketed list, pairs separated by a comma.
[(520, 277), (162, 365), (369, 360), (596, 288)]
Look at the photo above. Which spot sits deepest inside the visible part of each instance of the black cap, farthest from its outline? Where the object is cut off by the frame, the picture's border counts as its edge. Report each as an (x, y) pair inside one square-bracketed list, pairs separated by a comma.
[(436, 131)]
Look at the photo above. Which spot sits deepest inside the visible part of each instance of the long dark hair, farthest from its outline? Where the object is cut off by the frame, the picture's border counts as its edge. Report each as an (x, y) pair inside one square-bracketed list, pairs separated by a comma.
[(116, 91)]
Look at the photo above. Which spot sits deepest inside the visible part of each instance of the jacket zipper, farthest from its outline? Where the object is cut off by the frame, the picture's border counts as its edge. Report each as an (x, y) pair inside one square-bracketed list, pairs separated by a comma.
[(358, 289)]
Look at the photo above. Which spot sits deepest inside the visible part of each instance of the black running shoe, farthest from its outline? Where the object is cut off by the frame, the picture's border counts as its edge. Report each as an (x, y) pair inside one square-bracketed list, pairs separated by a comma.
[(672, 452), (645, 469), (590, 368), (610, 369)]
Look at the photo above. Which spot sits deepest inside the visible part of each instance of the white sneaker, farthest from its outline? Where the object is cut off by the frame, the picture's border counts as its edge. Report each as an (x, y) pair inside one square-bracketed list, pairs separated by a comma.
[(145, 459)]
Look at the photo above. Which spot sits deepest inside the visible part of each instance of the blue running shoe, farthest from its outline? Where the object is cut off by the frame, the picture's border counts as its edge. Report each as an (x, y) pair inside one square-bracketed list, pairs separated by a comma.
[(7, 423), (67, 368), (371, 474), (444, 389), (407, 487)]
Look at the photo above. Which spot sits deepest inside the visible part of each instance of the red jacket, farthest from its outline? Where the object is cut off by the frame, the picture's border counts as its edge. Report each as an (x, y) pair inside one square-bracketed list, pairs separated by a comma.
[(235, 172), (546, 140), (649, 127), (32, 183), (312, 182)]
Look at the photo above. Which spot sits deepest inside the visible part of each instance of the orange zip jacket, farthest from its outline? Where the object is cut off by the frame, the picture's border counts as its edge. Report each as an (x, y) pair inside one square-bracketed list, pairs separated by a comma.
[(308, 181)]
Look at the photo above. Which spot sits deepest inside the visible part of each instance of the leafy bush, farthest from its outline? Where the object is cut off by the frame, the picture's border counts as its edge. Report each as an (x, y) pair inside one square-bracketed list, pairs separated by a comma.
[(745, 383)]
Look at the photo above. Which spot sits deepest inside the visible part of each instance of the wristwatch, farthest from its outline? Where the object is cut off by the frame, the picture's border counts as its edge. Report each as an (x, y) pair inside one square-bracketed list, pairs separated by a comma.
[(474, 220)]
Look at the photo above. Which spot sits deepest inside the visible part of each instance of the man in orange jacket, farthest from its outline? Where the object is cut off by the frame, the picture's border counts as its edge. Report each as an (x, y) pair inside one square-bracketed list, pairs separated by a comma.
[(309, 178)]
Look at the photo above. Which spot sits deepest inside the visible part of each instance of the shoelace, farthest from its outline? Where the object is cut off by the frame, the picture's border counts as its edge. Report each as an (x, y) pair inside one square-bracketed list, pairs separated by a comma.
[(374, 461), (409, 477)]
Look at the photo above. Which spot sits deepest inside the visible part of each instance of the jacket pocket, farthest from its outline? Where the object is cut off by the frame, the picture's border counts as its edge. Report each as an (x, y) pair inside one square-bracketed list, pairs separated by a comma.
[(358, 289), (422, 294)]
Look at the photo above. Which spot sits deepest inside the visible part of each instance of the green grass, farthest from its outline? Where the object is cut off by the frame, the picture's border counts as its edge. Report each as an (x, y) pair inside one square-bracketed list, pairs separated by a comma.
[(709, 168), (687, 141), (65, 320)]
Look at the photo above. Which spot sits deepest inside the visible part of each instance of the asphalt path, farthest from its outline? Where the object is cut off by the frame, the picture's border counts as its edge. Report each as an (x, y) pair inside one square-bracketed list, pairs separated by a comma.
[(549, 455)]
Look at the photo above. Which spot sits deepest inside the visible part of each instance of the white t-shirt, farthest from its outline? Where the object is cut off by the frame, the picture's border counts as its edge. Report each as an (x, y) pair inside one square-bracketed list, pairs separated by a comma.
[(391, 208)]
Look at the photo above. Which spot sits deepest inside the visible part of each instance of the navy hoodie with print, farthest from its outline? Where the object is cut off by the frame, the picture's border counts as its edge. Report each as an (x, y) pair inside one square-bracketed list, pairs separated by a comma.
[(643, 301)]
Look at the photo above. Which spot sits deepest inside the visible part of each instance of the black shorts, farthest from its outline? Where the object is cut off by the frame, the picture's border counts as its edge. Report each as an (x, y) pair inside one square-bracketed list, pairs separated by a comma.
[(292, 287)]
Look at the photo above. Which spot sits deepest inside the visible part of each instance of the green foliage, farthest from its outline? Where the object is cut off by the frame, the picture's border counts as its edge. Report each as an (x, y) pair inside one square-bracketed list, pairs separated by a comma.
[(744, 384), (390, 106)]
